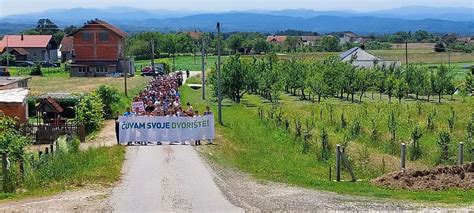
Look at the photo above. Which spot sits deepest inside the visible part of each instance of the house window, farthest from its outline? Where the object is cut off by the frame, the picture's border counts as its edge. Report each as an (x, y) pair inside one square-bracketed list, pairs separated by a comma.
[(86, 36), (104, 36), (101, 69), (83, 69)]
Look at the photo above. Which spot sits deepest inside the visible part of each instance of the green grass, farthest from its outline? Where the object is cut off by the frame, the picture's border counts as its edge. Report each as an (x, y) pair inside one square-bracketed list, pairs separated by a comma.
[(194, 80), (184, 62), (67, 171), (270, 153)]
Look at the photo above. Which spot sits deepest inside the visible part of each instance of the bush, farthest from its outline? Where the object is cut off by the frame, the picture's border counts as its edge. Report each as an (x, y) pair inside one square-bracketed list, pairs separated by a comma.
[(443, 144), (36, 70), (90, 112), (109, 97), (168, 65)]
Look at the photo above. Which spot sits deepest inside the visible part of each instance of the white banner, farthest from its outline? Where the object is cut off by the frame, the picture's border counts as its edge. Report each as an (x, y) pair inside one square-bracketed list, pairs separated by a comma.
[(154, 129)]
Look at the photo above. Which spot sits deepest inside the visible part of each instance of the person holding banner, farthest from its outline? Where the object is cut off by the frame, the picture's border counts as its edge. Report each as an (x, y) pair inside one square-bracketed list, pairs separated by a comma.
[(197, 142), (208, 112), (117, 126), (128, 112)]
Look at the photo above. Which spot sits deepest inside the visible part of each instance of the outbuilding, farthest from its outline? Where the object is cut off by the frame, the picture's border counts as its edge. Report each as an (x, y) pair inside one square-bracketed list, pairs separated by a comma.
[(13, 103)]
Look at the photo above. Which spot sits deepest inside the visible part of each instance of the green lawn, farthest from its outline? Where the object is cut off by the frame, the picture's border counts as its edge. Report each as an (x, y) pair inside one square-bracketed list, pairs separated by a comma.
[(270, 153), (183, 62)]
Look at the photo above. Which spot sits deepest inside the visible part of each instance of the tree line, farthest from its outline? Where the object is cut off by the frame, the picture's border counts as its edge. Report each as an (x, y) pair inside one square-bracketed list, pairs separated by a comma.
[(333, 78)]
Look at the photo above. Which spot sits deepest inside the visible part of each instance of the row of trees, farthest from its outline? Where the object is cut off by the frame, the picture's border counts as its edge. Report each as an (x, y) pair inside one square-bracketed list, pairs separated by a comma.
[(329, 78)]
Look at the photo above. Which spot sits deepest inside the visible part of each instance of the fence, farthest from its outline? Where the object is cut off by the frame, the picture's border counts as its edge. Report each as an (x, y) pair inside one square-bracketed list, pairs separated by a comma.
[(48, 133)]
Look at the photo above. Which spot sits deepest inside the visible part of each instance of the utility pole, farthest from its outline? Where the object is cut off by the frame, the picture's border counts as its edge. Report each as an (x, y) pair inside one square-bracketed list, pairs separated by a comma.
[(203, 67), (219, 86), (8, 56), (125, 73), (406, 52), (449, 58), (153, 58)]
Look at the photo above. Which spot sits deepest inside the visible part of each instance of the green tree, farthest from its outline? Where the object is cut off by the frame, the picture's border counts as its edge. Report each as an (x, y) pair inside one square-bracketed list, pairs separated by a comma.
[(235, 42), (444, 141), (390, 86), (292, 43), (90, 111), (109, 97), (46, 27), (416, 135), (330, 44), (260, 45), (441, 81), (233, 78), (401, 89), (7, 56)]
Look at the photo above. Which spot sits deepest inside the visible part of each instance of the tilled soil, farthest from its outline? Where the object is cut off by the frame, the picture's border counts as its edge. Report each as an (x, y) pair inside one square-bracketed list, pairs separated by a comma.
[(440, 178)]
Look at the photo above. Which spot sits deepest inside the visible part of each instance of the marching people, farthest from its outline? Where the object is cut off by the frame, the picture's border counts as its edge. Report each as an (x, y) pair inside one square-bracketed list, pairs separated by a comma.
[(161, 97)]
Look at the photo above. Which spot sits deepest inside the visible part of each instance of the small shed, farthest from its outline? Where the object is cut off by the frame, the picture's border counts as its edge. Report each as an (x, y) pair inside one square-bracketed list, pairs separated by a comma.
[(13, 103), (49, 111)]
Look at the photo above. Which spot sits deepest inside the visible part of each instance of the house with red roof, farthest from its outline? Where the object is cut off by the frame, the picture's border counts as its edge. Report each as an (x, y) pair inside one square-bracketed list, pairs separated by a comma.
[(65, 48), (98, 49), (30, 47), (276, 39)]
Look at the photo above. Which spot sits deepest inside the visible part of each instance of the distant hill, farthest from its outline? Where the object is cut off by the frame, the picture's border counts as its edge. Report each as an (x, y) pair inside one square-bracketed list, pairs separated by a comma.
[(440, 20)]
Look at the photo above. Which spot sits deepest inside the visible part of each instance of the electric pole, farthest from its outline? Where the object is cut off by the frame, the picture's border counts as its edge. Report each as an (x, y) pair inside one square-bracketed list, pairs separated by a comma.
[(153, 58), (219, 95), (125, 73), (406, 52), (8, 56), (203, 67)]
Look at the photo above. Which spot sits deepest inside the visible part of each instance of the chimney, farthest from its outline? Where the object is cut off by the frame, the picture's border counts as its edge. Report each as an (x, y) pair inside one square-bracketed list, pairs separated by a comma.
[(22, 37)]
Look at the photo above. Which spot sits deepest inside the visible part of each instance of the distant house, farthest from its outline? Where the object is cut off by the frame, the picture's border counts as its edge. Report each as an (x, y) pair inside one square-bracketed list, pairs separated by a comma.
[(362, 58), (65, 48), (30, 47), (276, 39), (310, 40), (99, 50), (467, 40), (194, 35), (348, 38), (13, 95)]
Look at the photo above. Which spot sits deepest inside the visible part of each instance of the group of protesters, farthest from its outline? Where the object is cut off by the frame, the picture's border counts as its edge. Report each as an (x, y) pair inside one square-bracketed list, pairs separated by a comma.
[(161, 97)]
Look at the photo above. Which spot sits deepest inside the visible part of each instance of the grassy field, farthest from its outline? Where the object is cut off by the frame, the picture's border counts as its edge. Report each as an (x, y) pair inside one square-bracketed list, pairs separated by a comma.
[(424, 56), (269, 152), (65, 171), (183, 62)]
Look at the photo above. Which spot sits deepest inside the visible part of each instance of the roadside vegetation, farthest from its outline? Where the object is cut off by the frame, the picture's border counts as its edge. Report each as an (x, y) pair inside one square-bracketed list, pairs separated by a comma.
[(65, 167), (268, 151)]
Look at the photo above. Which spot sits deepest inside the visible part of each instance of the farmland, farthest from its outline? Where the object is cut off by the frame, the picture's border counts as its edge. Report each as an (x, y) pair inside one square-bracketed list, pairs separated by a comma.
[(269, 152)]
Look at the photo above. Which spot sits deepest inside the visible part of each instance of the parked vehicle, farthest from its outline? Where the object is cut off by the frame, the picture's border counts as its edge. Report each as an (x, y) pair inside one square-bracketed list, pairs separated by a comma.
[(4, 71), (48, 64), (26, 64), (148, 71)]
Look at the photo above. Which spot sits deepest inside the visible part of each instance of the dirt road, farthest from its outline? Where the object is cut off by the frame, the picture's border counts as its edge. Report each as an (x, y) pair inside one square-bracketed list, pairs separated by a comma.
[(167, 178)]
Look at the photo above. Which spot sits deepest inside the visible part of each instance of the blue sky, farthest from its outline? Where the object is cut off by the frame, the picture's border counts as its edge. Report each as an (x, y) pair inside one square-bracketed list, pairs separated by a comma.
[(9, 7)]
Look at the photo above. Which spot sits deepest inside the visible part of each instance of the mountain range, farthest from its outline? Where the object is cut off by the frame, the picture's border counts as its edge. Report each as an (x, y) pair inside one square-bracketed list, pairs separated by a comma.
[(433, 19)]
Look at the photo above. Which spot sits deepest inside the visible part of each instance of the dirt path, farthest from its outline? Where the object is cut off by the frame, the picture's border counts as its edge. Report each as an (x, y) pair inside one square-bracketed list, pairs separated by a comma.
[(252, 195)]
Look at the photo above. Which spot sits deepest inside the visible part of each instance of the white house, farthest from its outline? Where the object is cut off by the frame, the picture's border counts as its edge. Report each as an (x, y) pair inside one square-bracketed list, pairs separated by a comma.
[(362, 58)]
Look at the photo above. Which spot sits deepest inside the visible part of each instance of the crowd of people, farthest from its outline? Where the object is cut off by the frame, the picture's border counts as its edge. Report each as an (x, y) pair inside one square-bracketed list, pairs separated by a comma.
[(161, 97)]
